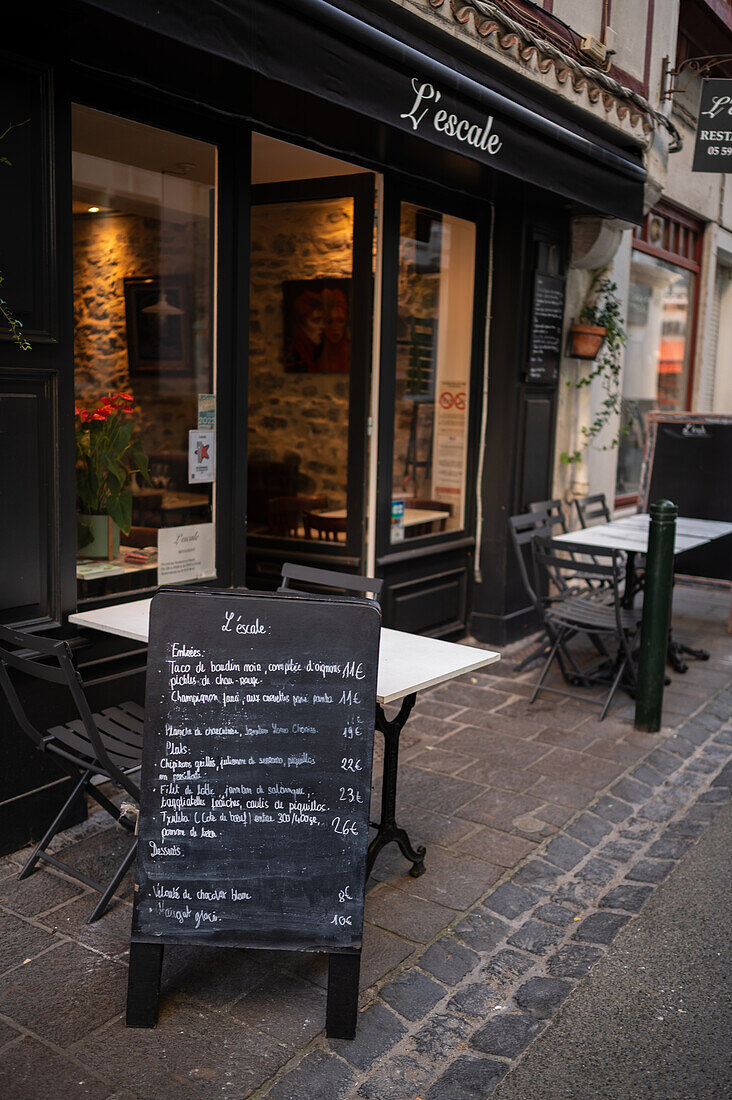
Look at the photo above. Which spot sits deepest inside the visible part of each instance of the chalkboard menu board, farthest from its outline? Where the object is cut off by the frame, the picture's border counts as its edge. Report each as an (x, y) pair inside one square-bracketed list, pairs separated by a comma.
[(688, 459), (256, 770), (545, 329)]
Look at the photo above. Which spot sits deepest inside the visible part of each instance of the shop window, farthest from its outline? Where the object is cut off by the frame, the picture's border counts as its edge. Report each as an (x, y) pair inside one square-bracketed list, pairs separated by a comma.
[(660, 327), (144, 204), (434, 345), (300, 363)]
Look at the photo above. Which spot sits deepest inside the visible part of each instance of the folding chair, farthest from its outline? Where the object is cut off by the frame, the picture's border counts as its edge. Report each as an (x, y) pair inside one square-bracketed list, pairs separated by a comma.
[(329, 579), (592, 509), (554, 513), (575, 615), (541, 520), (107, 744)]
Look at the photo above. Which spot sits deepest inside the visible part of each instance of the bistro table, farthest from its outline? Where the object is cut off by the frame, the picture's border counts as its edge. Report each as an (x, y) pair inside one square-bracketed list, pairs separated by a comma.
[(631, 535), (408, 663)]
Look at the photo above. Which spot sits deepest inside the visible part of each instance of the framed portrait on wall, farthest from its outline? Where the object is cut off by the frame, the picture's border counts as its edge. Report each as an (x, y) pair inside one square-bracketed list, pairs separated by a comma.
[(158, 322), (317, 326)]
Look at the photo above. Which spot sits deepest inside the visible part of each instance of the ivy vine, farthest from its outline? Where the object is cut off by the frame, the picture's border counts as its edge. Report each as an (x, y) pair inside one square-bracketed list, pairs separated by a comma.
[(602, 308)]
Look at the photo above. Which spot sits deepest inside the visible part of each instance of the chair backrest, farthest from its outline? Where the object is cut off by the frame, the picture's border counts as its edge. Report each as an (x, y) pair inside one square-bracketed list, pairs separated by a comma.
[(563, 565), (295, 576), (284, 514), (50, 661), (522, 529), (325, 527), (593, 509), (554, 513)]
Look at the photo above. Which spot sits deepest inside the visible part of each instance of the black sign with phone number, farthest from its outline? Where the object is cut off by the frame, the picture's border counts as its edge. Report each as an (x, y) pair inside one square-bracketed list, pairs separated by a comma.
[(713, 148)]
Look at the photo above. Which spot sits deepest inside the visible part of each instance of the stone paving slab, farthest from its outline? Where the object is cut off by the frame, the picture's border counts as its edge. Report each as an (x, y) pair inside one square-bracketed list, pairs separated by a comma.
[(546, 830)]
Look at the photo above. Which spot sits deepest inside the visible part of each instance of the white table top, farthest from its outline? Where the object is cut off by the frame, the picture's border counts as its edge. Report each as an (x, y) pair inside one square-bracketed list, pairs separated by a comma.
[(631, 534), (407, 662)]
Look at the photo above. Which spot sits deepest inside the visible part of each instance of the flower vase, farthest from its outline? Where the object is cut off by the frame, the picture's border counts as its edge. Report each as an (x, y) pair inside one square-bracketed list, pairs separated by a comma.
[(104, 537)]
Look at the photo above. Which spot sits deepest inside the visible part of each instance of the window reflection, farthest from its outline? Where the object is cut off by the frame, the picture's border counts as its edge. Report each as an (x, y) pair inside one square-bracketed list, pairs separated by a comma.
[(143, 209), (657, 355), (299, 368), (434, 342)]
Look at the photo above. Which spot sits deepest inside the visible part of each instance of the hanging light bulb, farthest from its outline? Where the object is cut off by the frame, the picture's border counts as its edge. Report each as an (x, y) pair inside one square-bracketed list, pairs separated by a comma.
[(163, 308)]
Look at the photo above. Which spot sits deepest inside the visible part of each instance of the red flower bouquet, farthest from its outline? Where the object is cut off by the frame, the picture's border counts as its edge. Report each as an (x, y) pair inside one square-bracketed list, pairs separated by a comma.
[(107, 455)]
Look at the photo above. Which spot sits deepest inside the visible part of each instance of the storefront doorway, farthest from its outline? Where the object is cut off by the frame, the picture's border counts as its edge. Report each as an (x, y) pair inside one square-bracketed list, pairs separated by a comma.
[(310, 335), (360, 404)]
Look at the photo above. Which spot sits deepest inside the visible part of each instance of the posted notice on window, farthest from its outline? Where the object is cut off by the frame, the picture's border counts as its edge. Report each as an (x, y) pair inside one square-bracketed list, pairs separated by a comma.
[(201, 457), (185, 553)]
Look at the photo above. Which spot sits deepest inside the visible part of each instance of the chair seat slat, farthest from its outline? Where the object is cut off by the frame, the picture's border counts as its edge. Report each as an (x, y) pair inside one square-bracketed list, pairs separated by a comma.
[(134, 709), (127, 721), (125, 737), (120, 755)]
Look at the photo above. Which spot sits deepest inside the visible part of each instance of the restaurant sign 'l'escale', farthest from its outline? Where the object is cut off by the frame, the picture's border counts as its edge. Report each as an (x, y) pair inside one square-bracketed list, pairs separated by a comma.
[(426, 98)]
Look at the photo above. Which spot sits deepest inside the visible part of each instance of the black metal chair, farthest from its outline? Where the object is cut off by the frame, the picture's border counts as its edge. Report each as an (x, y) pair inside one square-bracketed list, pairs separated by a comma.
[(554, 513), (540, 520), (577, 615), (592, 509), (107, 744), (329, 579)]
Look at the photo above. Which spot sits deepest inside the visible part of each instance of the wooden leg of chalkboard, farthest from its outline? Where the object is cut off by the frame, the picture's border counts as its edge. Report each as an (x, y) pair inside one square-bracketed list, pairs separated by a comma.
[(143, 986), (342, 1008)]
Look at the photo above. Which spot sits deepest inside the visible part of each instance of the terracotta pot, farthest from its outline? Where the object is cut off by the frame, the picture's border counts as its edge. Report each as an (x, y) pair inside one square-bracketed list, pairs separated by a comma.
[(586, 340), (105, 538)]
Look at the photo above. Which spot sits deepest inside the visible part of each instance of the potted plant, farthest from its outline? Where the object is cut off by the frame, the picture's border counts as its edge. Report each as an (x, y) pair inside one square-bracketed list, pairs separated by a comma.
[(601, 317), (107, 455)]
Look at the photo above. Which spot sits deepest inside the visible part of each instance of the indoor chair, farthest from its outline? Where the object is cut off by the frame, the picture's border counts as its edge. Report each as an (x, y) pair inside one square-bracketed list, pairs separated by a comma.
[(574, 616), (430, 527), (107, 744), (325, 527)]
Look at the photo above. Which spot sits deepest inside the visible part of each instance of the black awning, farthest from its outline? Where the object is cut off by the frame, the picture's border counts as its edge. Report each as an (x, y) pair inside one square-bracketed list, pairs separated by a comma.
[(313, 46)]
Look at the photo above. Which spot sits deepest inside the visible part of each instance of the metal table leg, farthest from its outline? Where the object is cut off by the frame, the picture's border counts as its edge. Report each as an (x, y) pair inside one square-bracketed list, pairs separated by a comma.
[(388, 829), (675, 650)]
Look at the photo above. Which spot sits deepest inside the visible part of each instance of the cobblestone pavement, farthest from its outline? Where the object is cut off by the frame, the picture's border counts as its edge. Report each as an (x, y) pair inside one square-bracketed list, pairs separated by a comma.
[(546, 831)]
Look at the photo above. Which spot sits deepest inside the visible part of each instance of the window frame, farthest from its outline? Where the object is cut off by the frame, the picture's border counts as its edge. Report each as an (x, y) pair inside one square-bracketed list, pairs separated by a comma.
[(230, 298)]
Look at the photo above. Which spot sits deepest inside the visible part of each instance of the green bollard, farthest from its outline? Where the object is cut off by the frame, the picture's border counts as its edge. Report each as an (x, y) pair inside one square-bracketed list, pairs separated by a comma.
[(656, 616)]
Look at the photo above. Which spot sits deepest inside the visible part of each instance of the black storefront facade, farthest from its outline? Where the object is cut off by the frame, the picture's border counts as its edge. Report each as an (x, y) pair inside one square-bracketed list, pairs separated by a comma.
[(337, 230)]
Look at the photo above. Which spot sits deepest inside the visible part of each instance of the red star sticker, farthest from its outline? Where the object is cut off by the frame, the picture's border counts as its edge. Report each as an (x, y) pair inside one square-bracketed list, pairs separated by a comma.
[(202, 451)]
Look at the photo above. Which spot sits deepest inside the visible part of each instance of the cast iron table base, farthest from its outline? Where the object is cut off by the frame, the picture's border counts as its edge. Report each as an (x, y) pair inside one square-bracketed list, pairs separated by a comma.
[(387, 828)]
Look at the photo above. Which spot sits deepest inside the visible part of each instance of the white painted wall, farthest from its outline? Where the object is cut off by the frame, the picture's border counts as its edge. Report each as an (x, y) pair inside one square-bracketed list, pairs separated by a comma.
[(629, 19), (584, 16)]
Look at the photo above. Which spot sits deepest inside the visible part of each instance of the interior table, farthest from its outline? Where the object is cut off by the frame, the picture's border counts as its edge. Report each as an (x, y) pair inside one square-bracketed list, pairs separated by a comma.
[(631, 535), (428, 518), (408, 663)]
